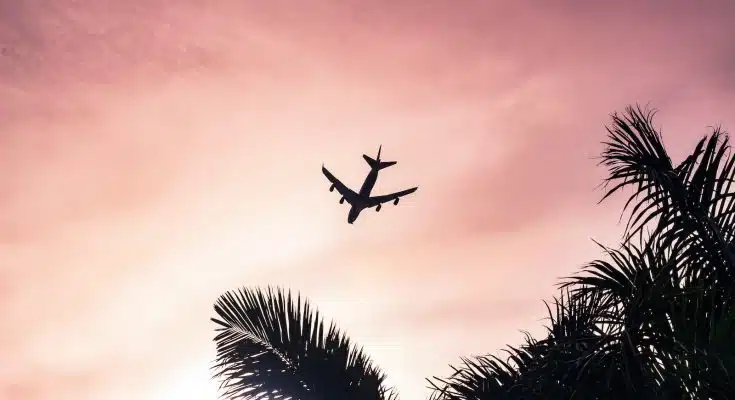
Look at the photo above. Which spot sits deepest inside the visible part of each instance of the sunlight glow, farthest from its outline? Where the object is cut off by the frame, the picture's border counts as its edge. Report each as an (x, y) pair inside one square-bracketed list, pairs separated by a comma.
[(192, 381)]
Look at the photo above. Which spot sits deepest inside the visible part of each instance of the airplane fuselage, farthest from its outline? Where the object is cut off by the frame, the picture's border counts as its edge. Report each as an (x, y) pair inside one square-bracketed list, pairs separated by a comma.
[(365, 190), (369, 183)]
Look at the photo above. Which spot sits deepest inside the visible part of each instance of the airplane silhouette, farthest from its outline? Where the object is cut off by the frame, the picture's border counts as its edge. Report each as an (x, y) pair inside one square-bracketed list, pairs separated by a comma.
[(362, 200)]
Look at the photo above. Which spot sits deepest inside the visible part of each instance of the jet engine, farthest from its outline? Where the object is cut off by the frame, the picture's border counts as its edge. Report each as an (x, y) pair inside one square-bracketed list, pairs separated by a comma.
[(395, 202), (331, 188), (342, 200), (377, 208)]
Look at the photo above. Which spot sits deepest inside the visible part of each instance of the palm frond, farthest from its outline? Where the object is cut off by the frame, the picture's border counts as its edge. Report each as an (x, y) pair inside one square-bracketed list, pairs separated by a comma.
[(636, 289), (635, 156), (485, 377), (272, 346), (555, 367), (692, 205)]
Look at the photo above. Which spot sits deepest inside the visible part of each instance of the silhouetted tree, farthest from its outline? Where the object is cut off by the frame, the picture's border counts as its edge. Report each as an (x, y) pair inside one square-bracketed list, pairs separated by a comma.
[(272, 346), (655, 320)]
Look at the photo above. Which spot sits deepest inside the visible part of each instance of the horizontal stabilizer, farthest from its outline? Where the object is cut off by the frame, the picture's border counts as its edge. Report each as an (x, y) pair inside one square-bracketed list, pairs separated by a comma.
[(386, 164), (374, 164)]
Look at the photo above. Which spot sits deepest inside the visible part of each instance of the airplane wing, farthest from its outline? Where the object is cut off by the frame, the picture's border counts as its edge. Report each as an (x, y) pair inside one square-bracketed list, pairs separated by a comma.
[(346, 192), (375, 200)]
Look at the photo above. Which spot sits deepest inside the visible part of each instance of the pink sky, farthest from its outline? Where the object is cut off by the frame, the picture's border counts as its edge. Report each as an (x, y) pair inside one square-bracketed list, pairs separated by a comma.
[(154, 154)]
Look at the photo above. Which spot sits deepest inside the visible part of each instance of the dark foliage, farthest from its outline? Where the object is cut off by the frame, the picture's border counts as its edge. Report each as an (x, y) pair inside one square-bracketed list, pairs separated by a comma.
[(656, 319), (272, 346)]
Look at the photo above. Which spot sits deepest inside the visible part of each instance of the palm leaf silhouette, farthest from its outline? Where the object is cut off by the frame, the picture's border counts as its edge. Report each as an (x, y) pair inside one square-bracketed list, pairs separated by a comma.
[(487, 377), (555, 367), (656, 318), (691, 205), (271, 346)]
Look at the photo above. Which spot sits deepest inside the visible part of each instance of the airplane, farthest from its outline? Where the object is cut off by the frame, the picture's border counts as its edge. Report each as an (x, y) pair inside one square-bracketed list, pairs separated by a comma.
[(362, 200)]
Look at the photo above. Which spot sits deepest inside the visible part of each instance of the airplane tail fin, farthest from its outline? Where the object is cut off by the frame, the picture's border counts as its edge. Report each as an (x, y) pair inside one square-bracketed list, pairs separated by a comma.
[(376, 163)]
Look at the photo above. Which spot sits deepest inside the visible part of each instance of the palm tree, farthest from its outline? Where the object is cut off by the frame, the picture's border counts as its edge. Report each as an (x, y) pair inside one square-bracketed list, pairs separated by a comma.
[(658, 314), (271, 346)]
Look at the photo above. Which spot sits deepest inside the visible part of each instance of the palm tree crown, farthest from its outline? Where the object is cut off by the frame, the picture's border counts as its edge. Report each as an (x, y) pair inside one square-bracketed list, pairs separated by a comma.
[(272, 346)]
